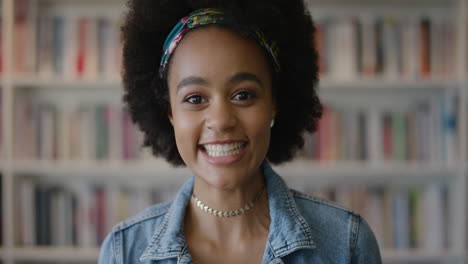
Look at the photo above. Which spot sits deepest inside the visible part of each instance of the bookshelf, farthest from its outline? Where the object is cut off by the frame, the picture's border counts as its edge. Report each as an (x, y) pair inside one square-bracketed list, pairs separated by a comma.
[(66, 88)]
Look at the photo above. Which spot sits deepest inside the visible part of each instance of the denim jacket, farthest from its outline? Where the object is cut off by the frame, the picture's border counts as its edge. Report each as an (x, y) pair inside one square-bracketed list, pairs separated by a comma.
[(303, 229)]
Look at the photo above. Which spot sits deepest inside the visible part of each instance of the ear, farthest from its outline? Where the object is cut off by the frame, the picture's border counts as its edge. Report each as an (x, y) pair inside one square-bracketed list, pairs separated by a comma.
[(169, 115), (274, 111)]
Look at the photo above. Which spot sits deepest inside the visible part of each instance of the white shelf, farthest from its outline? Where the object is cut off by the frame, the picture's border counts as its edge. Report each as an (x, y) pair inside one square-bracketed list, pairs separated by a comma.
[(156, 172), (378, 84), (82, 1), (366, 173), (160, 172), (32, 82), (56, 254), (383, 93), (347, 7), (421, 256), (78, 255), (363, 85), (380, 2)]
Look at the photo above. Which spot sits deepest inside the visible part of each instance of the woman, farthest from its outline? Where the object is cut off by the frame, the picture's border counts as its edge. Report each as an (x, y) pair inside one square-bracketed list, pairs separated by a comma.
[(225, 88)]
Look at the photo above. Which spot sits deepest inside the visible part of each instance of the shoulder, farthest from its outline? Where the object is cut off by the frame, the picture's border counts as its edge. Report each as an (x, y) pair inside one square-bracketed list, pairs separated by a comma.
[(307, 203), (326, 214), (135, 232), (148, 216), (320, 211), (336, 226)]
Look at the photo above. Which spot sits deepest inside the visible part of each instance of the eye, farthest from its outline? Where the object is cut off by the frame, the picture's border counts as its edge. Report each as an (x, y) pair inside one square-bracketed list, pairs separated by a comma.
[(243, 95), (194, 99)]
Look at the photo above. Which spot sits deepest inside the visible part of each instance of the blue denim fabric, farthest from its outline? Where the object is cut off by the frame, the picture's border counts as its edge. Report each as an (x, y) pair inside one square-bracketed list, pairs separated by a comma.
[(303, 229)]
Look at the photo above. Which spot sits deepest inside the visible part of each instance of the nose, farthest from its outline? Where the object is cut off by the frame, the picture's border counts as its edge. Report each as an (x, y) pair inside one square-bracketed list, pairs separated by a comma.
[(221, 116)]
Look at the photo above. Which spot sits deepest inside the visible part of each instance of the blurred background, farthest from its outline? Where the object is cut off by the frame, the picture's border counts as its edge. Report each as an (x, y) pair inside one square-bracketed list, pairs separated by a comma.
[(392, 144)]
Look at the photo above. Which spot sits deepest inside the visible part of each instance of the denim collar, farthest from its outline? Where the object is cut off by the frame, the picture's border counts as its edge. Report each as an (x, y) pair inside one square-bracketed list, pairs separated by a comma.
[(288, 229)]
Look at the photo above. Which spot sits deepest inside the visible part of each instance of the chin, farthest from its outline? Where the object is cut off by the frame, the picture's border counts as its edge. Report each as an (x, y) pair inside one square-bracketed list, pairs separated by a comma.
[(225, 177)]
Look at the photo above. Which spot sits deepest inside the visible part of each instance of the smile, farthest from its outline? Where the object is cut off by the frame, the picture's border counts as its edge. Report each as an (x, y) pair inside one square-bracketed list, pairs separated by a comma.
[(221, 150)]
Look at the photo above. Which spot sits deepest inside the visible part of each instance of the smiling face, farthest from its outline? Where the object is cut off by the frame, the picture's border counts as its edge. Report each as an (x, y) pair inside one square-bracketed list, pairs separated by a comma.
[(221, 105)]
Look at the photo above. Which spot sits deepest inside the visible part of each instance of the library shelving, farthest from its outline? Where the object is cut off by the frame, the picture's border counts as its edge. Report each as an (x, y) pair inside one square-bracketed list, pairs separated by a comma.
[(393, 142)]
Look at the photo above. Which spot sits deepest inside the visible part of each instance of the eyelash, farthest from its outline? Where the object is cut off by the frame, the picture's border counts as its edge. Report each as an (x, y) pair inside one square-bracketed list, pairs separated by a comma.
[(187, 99), (249, 94)]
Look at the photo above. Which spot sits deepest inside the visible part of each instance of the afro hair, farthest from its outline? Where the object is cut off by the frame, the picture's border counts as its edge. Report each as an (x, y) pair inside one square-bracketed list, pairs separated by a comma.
[(145, 28)]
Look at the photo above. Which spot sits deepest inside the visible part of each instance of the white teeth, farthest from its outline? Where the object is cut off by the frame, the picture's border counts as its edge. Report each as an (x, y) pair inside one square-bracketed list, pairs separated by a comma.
[(219, 150)]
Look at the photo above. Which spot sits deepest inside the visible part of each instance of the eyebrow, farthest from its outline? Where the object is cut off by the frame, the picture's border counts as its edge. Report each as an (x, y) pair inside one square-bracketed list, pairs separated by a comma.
[(236, 78), (191, 80), (245, 76)]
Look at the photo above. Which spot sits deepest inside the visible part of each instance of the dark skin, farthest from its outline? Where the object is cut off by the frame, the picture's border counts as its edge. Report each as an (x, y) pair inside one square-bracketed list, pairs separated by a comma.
[(220, 94)]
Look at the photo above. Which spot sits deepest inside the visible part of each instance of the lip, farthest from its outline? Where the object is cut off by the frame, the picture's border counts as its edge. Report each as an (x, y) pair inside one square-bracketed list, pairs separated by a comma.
[(222, 142), (224, 160)]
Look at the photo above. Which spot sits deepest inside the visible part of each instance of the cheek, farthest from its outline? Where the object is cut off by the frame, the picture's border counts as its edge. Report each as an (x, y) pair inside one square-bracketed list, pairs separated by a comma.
[(186, 133), (258, 127)]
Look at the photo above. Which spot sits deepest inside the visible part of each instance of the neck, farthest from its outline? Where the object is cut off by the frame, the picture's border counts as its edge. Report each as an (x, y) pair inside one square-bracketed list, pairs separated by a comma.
[(225, 231)]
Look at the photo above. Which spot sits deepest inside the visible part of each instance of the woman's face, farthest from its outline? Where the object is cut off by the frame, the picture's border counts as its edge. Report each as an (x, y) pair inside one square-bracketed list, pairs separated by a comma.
[(221, 105)]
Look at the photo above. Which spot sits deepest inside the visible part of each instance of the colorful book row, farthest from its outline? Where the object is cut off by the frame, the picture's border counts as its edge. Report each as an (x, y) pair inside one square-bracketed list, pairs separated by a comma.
[(87, 132), (425, 132), (76, 213), (395, 47), (61, 46)]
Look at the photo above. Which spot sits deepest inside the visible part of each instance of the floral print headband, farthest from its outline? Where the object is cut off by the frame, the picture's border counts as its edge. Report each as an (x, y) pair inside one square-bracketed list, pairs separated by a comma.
[(209, 16)]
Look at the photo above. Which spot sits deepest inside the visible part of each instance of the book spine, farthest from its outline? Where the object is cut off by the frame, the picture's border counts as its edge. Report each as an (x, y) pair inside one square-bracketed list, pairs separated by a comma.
[(81, 48), (58, 45), (425, 48)]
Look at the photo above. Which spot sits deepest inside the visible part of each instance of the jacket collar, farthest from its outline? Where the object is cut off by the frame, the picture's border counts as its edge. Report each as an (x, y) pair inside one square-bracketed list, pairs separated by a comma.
[(168, 241), (288, 229)]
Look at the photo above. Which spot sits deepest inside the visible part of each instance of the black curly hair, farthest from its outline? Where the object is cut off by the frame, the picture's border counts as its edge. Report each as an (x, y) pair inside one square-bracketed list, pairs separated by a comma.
[(146, 26)]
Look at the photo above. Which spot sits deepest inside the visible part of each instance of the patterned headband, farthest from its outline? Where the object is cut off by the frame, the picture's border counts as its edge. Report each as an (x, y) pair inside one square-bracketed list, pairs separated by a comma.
[(209, 16)]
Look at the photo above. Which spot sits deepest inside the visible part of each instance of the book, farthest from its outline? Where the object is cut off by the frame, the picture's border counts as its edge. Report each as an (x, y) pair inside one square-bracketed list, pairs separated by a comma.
[(434, 202), (24, 36), (1, 209), (425, 47), (45, 59), (417, 221), (391, 47), (25, 213), (1, 47), (42, 198), (399, 131), (1, 118)]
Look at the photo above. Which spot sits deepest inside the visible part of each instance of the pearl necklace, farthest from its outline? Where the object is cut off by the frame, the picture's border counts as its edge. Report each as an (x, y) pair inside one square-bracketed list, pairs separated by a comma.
[(237, 212)]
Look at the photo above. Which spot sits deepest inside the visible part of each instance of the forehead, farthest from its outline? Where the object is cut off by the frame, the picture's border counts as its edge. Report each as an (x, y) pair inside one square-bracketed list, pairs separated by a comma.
[(217, 51)]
